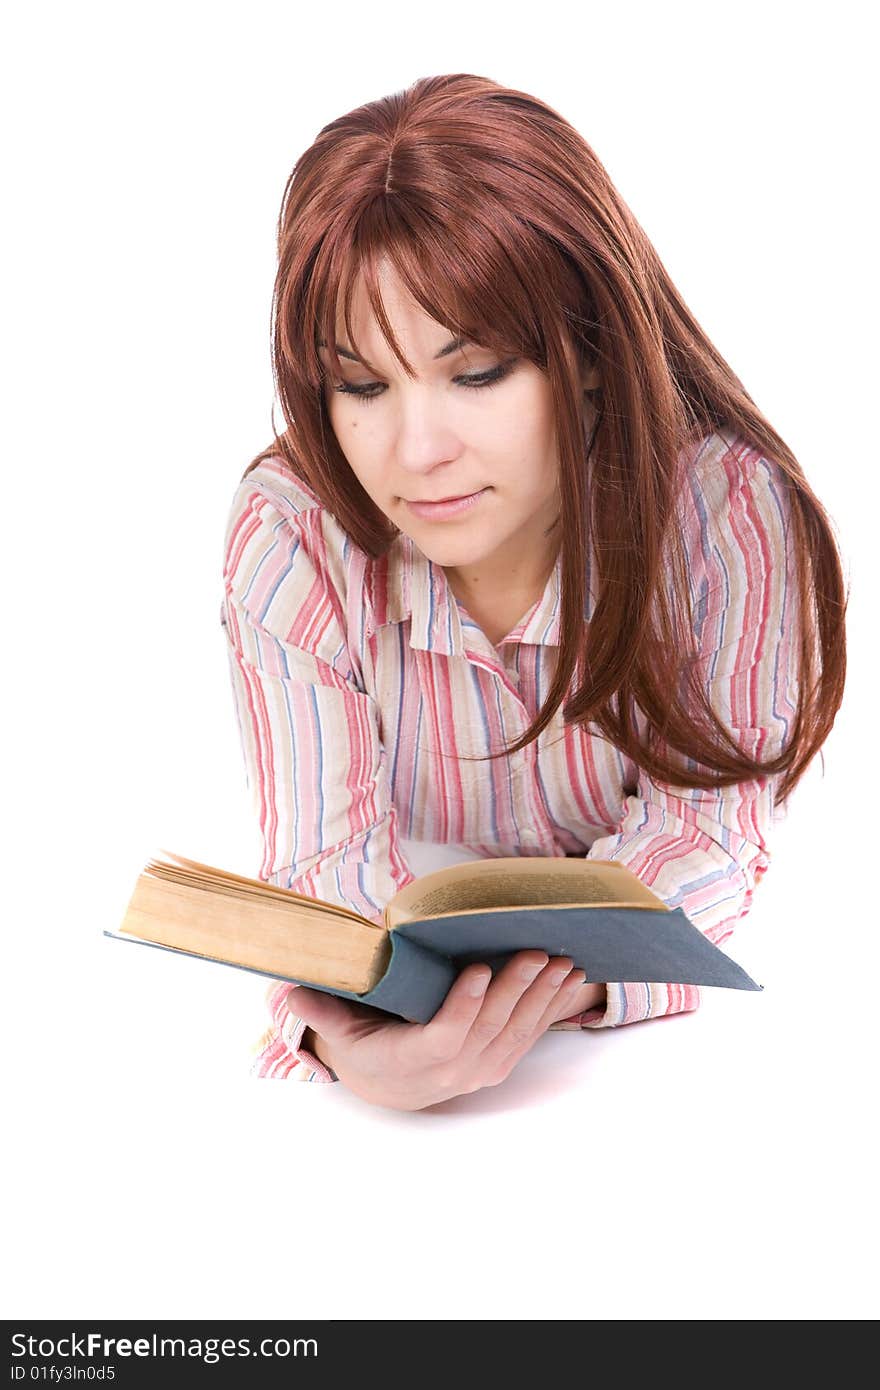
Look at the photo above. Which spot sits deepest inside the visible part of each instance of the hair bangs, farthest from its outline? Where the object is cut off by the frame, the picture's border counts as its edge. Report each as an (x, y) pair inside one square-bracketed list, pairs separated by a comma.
[(467, 294)]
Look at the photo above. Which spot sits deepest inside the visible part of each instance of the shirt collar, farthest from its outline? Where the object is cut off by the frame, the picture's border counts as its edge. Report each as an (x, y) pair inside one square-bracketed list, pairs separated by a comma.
[(406, 584)]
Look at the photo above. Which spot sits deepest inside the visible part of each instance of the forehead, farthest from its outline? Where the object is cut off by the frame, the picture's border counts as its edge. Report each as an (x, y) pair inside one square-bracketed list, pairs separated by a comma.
[(418, 333), (451, 346), (418, 338)]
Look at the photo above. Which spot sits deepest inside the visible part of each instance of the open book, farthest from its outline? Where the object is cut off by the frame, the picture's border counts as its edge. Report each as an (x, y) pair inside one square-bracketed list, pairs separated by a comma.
[(595, 911)]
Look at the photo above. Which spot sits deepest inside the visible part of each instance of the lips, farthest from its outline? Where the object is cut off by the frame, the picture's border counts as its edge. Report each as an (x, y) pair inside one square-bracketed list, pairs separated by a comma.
[(435, 501), (447, 506)]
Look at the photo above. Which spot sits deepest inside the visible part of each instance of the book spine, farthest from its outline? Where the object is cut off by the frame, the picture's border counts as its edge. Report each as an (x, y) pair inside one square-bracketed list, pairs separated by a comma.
[(416, 982)]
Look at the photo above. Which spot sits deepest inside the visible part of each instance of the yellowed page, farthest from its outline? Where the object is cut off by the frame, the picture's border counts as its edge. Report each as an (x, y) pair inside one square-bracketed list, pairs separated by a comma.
[(484, 884), (177, 869), (262, 933)]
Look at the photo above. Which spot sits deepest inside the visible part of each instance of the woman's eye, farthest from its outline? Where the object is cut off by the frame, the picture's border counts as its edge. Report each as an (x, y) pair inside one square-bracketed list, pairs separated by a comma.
[(373, 389)]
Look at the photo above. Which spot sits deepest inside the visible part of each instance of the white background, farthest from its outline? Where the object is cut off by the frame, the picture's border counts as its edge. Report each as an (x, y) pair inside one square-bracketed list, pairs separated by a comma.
[(720, 1165)]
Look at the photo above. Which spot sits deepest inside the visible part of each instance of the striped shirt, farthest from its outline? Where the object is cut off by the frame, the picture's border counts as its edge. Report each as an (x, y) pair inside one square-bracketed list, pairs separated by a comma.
[(356, 682)]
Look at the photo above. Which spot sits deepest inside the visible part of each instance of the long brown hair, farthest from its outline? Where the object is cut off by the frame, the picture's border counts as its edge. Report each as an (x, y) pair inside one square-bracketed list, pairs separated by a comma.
[(505, 228)]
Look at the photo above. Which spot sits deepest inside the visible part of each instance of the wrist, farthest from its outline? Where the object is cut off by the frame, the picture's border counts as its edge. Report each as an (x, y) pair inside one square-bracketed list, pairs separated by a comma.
[(600, 999), (314, 1043)]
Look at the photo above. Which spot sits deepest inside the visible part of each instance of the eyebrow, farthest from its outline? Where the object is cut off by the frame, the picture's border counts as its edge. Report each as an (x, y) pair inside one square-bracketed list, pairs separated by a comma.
[(452, 346)]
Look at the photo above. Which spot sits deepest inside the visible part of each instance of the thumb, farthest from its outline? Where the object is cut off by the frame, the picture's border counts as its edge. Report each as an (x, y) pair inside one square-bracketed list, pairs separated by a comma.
[(325, 1013)]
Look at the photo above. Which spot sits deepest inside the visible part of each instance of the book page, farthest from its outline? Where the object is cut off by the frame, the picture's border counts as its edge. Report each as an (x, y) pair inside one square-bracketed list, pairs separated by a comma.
[(520, 882), (264, 932), (175, 868)]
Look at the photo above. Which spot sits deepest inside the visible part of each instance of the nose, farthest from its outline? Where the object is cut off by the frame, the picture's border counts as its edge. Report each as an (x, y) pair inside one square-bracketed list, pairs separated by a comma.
[(424, 437)]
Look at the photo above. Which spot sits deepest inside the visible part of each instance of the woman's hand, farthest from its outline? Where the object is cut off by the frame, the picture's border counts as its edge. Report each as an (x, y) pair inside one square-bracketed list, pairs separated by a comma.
[(483, 1028)]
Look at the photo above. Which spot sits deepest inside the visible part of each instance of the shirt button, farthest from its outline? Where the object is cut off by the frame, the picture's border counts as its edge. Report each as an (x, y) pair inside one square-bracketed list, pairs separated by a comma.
[(528, 837)]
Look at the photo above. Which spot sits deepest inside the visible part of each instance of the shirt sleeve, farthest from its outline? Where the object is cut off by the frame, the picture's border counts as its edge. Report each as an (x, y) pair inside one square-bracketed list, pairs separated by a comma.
[(706, 850), (314, 761)]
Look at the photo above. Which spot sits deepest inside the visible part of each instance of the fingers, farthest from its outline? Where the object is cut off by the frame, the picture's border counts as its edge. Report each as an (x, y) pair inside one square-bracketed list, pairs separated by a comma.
[(505, 1012), (525, 997), (563, 1003), (445, 1035)]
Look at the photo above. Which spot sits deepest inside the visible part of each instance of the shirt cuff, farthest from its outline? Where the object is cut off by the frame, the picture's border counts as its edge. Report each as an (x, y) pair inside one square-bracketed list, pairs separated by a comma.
[(632, 1002), (311, 1067)]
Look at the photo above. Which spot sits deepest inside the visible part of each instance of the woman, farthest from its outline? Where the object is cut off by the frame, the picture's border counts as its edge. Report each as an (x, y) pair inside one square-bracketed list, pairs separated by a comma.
[(623, 637)]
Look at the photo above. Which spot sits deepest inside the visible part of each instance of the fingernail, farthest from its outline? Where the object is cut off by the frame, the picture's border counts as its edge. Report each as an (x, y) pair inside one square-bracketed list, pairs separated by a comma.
[(528, 972)]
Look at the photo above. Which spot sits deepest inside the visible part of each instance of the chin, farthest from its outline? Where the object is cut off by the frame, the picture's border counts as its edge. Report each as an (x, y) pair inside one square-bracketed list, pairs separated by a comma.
[(448, 557)]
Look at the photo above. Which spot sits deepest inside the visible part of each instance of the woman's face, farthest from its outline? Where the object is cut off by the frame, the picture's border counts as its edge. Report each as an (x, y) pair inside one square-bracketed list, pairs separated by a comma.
[(449, 433)]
